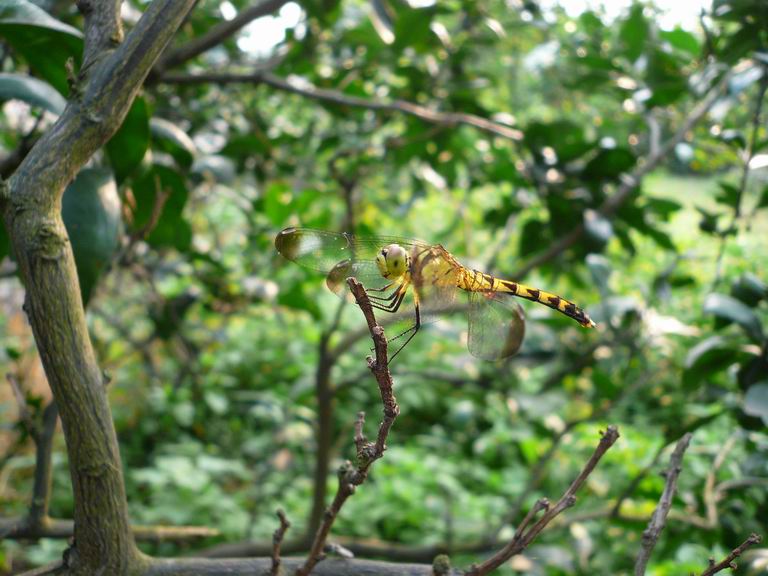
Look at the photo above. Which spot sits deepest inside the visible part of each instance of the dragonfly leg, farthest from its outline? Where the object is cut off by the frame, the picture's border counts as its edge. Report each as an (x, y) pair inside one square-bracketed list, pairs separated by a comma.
[(382, 289), (413, 329), (395, 293), (397, 299)]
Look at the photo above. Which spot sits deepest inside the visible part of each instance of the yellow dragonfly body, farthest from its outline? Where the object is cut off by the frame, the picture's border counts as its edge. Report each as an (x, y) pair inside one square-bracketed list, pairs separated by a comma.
[(390, 268)]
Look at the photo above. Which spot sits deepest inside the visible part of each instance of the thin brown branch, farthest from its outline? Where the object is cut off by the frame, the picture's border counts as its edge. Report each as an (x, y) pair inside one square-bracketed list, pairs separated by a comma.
[(659, 517), (20, 529), (41, 491), (525, 535), (728, 562), (367, 452), (254, 566), (277, 540), (217, 34), (324, 393), (537, 474), (308, 90), (21, 402), (710, 495), (611, 204)]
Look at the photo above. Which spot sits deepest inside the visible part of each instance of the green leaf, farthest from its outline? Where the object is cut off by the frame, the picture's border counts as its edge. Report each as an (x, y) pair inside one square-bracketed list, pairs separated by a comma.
[(749, 289), (600, 269), (128, 146), (756, 401), (44, 42), (709, 220), (763, 202), (533, 237), (610, 163), (566, 138), (665, 79), (709, 357), (728, 195), (168, 137), (662, 206), (32, 91), (93, 217), (732, 310), (171, 230), (633, 33), (413, 28), (681, 40), (295, 297), (734, 137), (598, 227)]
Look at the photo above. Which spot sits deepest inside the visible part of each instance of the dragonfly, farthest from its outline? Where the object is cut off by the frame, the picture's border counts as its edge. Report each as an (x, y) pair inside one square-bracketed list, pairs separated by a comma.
[(390, 268)]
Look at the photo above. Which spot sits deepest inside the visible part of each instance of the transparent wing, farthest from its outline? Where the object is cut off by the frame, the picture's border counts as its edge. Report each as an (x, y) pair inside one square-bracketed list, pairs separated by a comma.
[(365, 271), (323, 250), (434, 274), (496, 326)]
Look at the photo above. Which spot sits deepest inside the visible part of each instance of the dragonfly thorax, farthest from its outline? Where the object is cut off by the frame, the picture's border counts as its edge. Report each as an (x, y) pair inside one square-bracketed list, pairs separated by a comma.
[(393, 261)]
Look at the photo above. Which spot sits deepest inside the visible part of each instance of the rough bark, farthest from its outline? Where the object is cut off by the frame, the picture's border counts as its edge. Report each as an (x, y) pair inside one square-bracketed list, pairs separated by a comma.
[(31, 206)]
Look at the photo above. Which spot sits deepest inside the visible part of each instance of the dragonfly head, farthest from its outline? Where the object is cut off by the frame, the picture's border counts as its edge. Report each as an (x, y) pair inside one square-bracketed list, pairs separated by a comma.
[(393, 261)]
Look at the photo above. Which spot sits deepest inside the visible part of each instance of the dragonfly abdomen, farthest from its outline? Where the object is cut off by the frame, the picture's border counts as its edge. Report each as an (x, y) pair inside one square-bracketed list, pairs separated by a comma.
[(476, 281)]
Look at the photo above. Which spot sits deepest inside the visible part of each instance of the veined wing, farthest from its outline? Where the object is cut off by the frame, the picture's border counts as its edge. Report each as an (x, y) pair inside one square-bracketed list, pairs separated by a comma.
[(339, 255), (434, 273), (323, 250), (496, 326)]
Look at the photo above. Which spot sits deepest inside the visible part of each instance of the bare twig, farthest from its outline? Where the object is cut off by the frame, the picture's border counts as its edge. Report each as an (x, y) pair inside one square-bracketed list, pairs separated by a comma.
[(728, 561), (20, 529), (710, 495), (41, 492), (659, 517), (277, 540), (21, 402), (217, 34), (324, 394), (339, 98), (367, 452), (537, 474), (524, 535)]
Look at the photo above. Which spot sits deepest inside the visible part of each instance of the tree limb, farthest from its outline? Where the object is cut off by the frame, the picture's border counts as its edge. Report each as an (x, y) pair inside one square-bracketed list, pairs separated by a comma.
[(367, 452), (659, 517), (277, 540), (525, 535), (308, 90), (103, 28), (216, 35), (20, 529), (30, 203), (728, 561), (262, 567)]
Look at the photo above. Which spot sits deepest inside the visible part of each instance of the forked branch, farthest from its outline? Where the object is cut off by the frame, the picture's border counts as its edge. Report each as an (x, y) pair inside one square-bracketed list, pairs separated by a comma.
[(659, 517), (728, 561), (351, 476), (527, 533)]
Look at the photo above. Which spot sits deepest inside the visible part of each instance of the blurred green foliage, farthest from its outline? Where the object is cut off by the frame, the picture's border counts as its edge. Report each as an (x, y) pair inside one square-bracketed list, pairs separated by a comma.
[(213, 341)]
